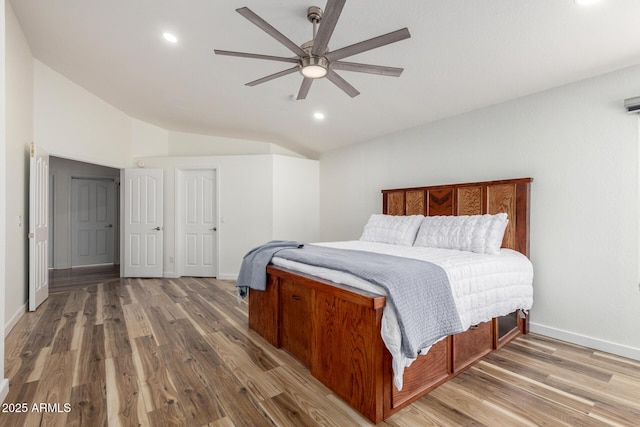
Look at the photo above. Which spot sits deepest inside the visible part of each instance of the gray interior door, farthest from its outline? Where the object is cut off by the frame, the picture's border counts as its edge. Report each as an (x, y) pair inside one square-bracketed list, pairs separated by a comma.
[(92, 221)]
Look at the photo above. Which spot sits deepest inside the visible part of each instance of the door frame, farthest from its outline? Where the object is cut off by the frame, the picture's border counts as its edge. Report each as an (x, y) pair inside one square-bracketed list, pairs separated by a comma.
[(69, 177), (118, 249), (178, 255)]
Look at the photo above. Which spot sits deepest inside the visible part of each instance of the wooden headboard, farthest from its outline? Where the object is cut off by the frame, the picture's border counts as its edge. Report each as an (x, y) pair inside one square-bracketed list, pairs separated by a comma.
[(476, 198)]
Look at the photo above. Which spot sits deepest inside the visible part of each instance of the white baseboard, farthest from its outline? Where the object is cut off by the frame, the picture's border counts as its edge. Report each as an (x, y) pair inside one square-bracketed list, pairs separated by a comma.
[(170, 275), (14, 319), (174, 275), (597, 344), (4, 389)]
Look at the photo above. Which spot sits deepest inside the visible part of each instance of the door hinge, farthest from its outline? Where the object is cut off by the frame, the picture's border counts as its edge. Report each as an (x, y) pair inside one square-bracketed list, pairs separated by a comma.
[(32, 149)]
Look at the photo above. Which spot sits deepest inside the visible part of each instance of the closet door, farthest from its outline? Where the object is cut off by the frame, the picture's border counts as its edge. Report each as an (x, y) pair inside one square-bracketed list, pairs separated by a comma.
[(198, 217), (92, 221), (142, 223)]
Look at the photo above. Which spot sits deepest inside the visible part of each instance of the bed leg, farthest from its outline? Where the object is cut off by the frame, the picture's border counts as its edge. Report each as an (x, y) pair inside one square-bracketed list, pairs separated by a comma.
[(523, 319)]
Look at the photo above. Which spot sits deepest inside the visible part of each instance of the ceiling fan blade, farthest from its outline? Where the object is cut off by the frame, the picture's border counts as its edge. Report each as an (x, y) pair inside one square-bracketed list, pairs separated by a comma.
[(267, 28), (304, 88), (342, 83), (366, 68), (366, 45), (255, 56), (273, 76), (327, 24)]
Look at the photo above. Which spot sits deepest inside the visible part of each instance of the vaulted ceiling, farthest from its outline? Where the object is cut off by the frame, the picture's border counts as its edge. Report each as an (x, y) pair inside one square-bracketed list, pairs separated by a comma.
[(462, 55)]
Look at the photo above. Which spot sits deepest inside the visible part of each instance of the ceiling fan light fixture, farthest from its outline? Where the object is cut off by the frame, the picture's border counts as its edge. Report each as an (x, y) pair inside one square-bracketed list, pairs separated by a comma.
[(170, 37), (314, 67)]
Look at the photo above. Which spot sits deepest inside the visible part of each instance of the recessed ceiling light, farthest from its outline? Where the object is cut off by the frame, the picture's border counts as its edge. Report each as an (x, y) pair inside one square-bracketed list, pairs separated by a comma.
[(585, 2), (318, 116), (170, 37)]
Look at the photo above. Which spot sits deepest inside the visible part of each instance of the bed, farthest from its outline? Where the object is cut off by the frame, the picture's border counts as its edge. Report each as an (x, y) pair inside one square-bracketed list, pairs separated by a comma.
[(335, 329)]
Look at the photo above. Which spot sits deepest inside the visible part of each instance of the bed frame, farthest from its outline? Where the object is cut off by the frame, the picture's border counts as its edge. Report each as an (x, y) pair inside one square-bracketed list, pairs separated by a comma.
[(335, 330)]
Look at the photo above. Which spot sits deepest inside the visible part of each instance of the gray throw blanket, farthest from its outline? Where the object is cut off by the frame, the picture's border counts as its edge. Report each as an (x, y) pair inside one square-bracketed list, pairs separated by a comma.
[(419, 290), (253, 271)]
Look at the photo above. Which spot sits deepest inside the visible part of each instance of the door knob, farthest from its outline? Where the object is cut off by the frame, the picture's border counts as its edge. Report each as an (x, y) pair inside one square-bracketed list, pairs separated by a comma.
[(158, 228), (214, 229), (108, 226)]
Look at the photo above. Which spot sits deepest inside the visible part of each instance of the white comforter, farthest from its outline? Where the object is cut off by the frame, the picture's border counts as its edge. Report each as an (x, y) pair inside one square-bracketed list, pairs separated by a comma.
[(484, 286)]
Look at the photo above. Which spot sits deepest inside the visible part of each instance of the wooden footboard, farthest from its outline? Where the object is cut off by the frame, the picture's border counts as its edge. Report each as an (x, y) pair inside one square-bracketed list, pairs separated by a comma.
[(335, 330)]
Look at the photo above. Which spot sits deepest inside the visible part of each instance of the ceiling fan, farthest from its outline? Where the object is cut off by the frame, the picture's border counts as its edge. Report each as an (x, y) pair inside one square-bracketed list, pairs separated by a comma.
[(314, 60)]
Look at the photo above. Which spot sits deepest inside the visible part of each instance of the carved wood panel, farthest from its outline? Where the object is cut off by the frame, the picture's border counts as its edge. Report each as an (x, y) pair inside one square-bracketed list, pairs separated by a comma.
[(502, 198), (469, 346), (295, 324), (415, 202), (395, 203), (424, 373), (470, 201), (264, 315), (441, 202), (345, 332)]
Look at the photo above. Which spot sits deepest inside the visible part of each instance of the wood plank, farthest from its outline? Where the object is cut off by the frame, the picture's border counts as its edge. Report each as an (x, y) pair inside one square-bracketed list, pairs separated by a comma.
[(21, 393), (172, 290), (305, 391), (125, 404), (88, 405), (45, 330), (158, 388), (54, 388), (200, 402), (99, 304), (136, 321), (76, 301), (116, 334), (64, 337), (38, 364), (257, 381), (168, 416), (284, 411), (91, 356), (257, 354), (238, 404), (459, 399)]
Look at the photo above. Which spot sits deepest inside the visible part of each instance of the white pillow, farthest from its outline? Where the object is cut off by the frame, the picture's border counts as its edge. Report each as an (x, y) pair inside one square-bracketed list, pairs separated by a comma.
[(396, 230), (475, 233)]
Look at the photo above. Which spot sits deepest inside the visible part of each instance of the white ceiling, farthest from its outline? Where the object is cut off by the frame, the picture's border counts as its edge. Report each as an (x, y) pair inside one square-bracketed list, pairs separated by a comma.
[(462, 55)]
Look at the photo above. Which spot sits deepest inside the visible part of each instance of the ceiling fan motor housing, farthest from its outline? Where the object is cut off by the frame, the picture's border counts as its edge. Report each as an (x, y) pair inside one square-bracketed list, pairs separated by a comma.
[(314, 14), (313, 66)]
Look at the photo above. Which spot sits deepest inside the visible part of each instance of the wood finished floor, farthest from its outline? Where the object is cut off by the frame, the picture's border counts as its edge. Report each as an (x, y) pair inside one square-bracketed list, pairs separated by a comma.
[(178, 352)]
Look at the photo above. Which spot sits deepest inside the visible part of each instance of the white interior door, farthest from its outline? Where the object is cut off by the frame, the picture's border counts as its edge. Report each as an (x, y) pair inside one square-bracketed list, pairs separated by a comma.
[(199, 222), (142, 222), (92, 221), (38, 226)]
